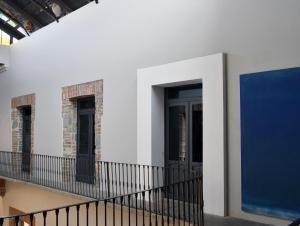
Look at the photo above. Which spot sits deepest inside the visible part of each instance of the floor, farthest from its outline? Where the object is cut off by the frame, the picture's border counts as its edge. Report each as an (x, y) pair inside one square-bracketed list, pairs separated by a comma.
[(229, 221)]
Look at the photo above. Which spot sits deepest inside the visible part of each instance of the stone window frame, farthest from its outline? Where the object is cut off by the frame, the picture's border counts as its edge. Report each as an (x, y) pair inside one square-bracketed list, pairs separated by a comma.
[(70, 95), (17, 103)]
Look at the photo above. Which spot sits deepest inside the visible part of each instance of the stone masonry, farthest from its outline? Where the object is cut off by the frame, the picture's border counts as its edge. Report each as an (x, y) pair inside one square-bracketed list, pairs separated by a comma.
[(70, 94), (16, 116)]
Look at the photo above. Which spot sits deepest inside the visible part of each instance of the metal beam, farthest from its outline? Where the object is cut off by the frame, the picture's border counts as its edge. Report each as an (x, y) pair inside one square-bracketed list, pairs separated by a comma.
[(23, 13), (10, 30), (15, 20), (47, 9)]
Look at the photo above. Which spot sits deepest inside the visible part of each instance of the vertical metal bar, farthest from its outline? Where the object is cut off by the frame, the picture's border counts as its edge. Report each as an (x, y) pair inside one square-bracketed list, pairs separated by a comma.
[(178, 201), (193, 200), (17, 220), (202, 202), (143, 197), (116, 180), (129, 210), (136, 209), (77, 215), (97, 212), (127, 177), (189, 200), (87, 213), (168, 206), (156, 207), (184, 196), (173, 199), (121, 210), (114, 213), (31, 219), (45, 216), (119, 179), (148, 169), (105, 212), (123, 171), (162, 205), (107, 177), (150, 212), (2, 221), (99, 192), (67, 215), (56, 216)]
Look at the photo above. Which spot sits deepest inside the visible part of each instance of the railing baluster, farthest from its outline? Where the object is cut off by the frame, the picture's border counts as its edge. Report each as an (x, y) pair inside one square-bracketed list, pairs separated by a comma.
[(193, 200), (97, 212), (87, 213), (143, 197), (31, 219), (129, 210), (77, 214), (67, 216), (114, 214), (105, 212), (56, 216), (156, 207), (178, 202), (168, 206), (136, 209), (45, 217), (121, 199), (150, 212), (17, 220)]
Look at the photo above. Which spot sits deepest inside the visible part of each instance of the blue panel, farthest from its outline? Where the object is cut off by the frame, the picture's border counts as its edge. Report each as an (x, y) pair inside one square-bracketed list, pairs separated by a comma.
[(270, 142)]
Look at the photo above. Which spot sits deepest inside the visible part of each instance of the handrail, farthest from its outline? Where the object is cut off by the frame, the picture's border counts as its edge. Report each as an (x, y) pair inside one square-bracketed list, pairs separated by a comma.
[(169, 203), (94, 179)]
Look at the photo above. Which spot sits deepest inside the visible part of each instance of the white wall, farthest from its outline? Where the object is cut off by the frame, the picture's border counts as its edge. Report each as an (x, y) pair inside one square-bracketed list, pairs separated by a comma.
[(114, 38), (4, 54)]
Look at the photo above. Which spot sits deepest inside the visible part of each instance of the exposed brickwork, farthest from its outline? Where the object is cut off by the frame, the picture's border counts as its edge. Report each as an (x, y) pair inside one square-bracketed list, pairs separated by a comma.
[(17, 124), (69, 112)]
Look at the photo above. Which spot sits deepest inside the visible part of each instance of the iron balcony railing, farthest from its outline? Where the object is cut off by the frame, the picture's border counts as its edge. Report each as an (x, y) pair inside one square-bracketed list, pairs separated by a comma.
[(179, 203), (100, 179)]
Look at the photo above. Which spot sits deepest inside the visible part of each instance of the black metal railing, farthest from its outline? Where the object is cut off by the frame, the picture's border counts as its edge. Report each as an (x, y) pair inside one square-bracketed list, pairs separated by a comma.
[(101, 180), (166, 205)]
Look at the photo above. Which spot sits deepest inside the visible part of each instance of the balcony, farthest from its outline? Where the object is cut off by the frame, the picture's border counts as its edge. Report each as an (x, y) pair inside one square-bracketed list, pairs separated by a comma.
[(122, 193)]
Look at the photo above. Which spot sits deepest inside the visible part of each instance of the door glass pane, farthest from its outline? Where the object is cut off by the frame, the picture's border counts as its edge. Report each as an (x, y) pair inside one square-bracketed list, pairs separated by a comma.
[(84, 134), (197, 132), (87, 103), (177, 133)]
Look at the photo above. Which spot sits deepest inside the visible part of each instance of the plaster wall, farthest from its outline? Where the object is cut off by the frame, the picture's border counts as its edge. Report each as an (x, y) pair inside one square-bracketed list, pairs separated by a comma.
[(111, 40)]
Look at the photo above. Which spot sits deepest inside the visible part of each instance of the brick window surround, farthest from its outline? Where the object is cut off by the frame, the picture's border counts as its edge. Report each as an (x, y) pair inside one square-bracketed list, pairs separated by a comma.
[(70, 94), (17, 120)]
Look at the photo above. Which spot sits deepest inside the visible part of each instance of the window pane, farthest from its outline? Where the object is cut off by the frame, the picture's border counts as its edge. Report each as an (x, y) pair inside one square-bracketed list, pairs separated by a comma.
[(177, 133)]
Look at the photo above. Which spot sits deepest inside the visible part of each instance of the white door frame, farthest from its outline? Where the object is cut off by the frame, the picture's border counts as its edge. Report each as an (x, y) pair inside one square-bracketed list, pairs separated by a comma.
[(151, 81)]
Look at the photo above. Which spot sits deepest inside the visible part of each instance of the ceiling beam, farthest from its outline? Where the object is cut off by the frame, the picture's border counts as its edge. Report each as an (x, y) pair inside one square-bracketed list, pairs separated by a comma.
[(46, 8), (22, 12), (10, 30), (14, 20)]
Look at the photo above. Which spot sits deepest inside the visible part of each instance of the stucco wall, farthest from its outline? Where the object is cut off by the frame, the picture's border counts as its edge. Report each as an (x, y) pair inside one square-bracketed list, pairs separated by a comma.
[(112, 39), (5, 55)]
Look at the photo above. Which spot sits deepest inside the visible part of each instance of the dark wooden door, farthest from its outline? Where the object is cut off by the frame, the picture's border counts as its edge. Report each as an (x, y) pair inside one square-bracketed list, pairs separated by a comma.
[(85, 158), (26, 139)]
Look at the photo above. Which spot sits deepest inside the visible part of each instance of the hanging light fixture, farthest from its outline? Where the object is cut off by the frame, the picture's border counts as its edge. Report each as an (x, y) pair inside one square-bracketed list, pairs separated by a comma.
[(56, 9)]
